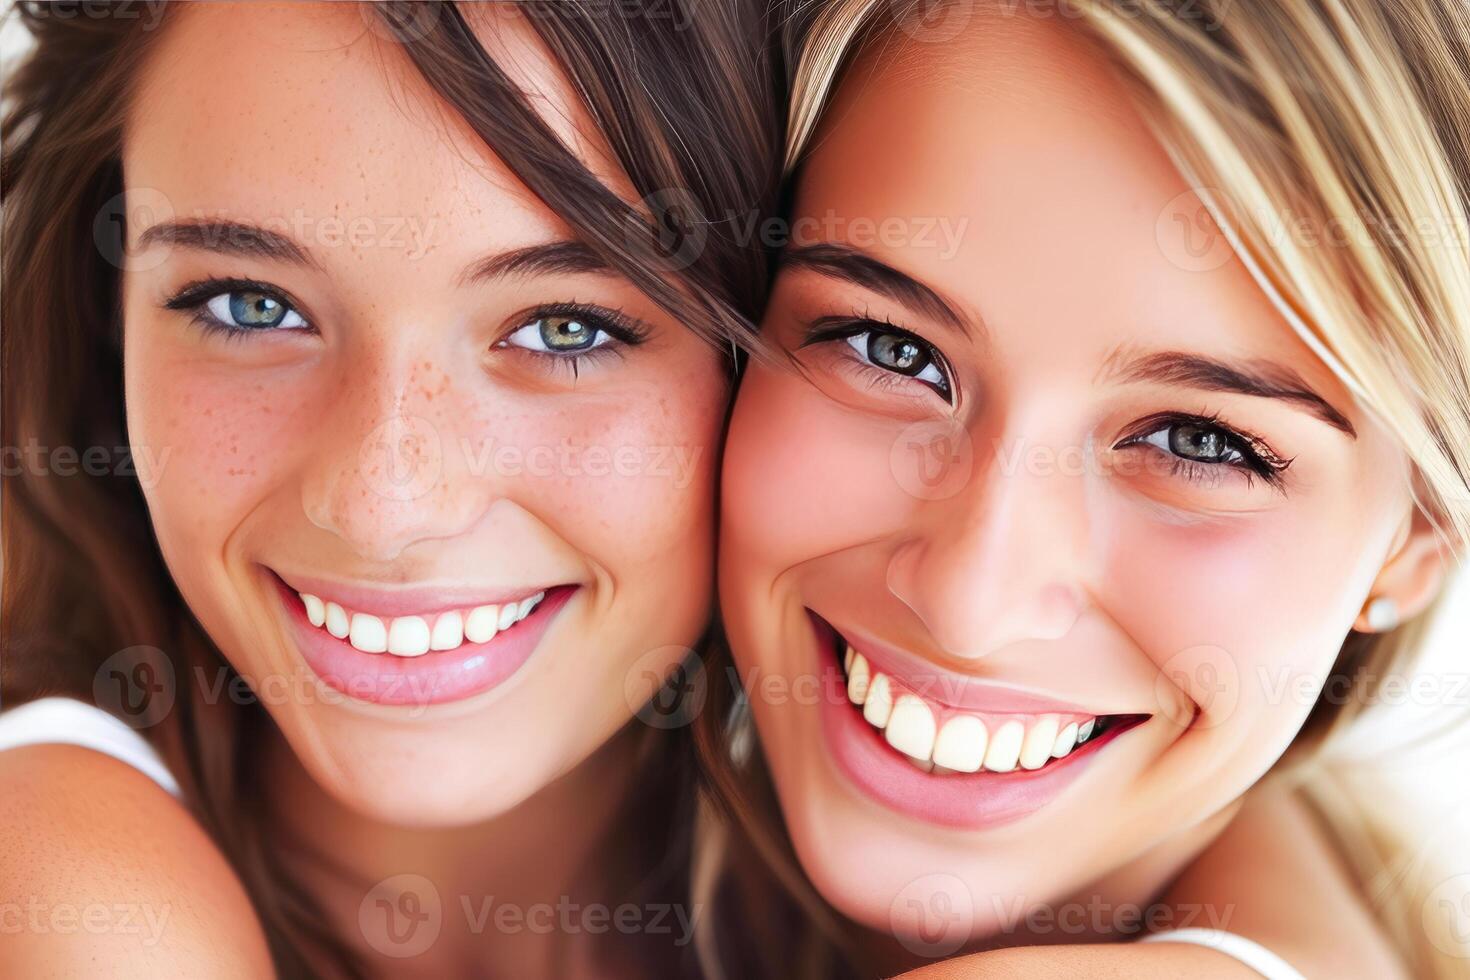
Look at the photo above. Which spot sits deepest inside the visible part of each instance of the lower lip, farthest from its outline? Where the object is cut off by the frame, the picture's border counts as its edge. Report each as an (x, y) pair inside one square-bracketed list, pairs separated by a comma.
[(970, 801), (437, 677)]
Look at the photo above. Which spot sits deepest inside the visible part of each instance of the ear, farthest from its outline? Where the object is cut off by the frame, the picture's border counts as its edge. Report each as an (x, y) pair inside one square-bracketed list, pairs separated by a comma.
[(1414, 573)]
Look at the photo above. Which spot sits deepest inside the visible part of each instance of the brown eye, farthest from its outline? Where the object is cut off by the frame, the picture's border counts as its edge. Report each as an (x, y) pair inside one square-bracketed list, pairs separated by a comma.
[(1201, 443), (901, 353)]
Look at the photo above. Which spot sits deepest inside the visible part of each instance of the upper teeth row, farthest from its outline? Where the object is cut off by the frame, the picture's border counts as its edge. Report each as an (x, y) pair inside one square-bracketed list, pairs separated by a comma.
[(411, 636), (964, 744)]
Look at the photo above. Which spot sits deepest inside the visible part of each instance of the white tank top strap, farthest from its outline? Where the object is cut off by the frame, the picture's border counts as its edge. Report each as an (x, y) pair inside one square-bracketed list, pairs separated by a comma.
[(67, 721), (1249, 952)]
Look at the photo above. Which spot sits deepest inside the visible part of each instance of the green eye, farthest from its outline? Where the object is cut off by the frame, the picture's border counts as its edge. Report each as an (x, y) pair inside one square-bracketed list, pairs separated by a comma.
[(250, 309), (558, 335)]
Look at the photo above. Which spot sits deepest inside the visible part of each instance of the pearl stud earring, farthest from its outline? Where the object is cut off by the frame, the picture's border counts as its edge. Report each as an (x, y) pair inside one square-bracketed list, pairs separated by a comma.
[(1383, 614)]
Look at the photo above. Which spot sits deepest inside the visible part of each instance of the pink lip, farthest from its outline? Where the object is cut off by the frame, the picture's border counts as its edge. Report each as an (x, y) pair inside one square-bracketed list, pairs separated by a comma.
[(436, 677), (958, 690), (969, 801), (391, 600)]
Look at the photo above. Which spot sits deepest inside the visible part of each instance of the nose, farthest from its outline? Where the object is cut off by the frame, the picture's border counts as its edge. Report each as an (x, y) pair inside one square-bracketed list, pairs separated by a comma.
[(382, 474), (1000, 562)]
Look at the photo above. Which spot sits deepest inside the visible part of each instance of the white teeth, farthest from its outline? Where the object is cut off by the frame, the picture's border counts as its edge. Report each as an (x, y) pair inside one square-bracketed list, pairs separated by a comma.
[(316, 610), (964, 743), (911, 727), (1066, 738), (961, 744), (368, 634), (337, 623), (411, 636), (879, 701), (1004, 750), (1037, 745), (408, 636), (448, 631), (482, 624), (857, 677)]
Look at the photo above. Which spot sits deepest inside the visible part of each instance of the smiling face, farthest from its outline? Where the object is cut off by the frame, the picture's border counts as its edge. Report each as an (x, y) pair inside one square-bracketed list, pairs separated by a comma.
[(436, 481), (1045, 553)]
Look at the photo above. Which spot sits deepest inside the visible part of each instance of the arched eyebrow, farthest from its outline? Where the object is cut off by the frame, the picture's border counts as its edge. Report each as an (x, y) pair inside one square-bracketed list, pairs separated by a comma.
[(855, 266), (1257, 378), (242, 238), (227, 238), (564, 257)]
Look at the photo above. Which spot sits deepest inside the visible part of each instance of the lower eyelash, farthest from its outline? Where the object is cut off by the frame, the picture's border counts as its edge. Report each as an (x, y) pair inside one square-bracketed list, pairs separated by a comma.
[(876, 376), (1208, 474), (572, 360), (212, 327), (1258, 461)]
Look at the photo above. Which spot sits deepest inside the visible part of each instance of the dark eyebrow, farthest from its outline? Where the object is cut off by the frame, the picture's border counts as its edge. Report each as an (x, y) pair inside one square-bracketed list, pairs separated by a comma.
[(1261, 379), (239, 238), (551, 258), (227, 238), (852, 265)]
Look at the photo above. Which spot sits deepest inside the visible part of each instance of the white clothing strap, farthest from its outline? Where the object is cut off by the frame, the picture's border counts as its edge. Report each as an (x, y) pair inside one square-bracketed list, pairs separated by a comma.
[(66, 721), (1251, 953)]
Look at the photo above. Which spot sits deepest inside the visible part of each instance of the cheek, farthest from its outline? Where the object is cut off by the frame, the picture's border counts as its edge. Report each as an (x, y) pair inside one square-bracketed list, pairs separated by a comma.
[(803, 477), (209, 444), (626, 478), (1245, 617)]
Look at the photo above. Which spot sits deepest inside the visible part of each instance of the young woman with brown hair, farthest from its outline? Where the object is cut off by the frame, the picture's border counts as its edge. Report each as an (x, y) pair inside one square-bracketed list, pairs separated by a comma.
[(393, 299)]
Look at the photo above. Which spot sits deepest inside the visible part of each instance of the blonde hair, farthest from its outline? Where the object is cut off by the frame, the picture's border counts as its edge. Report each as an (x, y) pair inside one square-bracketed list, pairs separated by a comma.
[(1349, 114)]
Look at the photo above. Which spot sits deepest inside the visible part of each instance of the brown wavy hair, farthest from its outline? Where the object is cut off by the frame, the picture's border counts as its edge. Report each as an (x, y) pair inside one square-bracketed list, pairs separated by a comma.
[(687, 101)]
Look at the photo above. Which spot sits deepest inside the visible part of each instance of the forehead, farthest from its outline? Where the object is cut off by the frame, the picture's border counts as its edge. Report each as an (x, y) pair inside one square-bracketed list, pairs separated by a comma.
[(1066, 214), (272, 111)]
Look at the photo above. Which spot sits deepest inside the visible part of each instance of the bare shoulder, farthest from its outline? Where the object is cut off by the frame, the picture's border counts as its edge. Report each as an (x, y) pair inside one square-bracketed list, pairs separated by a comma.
[(1271, 876), (98, 865), (1274, 877)]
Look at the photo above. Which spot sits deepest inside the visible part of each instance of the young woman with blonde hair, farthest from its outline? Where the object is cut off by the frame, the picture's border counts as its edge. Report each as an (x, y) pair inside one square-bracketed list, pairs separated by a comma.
[(1081, 533)]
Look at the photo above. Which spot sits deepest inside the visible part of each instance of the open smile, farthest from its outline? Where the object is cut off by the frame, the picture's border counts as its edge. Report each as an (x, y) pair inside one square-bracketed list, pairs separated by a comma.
[(904, 741), (417, 648)]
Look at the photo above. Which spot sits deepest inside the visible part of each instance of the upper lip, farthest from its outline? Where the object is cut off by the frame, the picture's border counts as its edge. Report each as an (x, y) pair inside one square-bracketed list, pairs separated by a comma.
[(955, 689), (403, 600)]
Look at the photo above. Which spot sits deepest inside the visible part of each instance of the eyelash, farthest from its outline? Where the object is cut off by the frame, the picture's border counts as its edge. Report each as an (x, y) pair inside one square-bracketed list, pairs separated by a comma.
[(828, 329), (195, 297), (626, 331), (1258, 458)]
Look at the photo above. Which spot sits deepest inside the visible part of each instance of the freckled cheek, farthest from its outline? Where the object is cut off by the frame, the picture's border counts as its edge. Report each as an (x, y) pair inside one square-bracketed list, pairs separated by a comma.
[(219, 445), (625, 479), (804, 476)]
